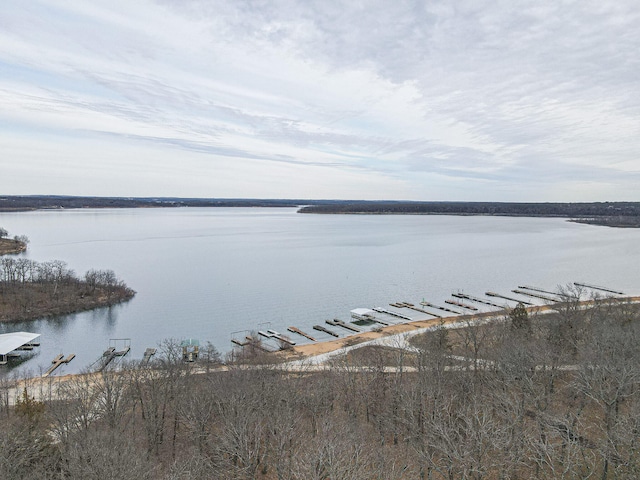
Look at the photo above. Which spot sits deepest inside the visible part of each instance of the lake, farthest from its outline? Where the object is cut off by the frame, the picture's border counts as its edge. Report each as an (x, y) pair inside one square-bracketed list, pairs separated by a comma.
[(206, 273)]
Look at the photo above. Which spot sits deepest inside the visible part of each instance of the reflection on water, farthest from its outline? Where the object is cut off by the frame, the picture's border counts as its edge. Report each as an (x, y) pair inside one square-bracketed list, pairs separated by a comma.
[(205, 273), (14, 364)]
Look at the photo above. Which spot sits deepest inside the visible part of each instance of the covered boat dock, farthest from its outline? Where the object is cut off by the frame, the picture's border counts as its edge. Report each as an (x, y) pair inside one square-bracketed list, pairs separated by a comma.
[(11, 343)]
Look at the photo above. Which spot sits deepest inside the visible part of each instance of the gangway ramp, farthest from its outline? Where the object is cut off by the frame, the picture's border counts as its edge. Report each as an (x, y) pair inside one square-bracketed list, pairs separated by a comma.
[(112, 353)]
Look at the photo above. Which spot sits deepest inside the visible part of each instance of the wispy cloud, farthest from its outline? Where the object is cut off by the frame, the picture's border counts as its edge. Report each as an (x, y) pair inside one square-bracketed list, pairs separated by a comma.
[(477, 100)]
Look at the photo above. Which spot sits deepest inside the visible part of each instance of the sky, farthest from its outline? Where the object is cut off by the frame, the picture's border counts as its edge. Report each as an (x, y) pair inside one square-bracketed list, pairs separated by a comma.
[(470, 100)]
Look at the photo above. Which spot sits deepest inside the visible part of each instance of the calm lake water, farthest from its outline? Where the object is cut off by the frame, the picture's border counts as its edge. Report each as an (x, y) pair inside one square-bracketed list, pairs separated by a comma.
[(206, 273)]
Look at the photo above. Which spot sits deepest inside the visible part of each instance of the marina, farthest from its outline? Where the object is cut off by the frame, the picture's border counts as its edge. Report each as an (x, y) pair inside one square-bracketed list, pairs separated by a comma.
[(422, 256), (260, 338)]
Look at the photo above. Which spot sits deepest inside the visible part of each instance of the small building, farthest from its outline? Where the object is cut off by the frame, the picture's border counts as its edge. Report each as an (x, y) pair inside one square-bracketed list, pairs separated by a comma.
[(190, 348), (12, 343)]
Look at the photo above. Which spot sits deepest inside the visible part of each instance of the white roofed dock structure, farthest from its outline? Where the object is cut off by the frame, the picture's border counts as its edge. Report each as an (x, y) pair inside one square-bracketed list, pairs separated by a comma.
[(363, 314), (12, 342)]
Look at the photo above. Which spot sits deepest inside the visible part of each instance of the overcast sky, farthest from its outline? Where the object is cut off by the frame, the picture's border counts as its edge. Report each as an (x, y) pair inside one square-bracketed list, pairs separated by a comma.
[(422, 100)]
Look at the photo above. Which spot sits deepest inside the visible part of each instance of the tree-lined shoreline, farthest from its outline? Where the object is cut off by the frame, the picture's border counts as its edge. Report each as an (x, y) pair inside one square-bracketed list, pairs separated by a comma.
[(612, 214), (30, 290)]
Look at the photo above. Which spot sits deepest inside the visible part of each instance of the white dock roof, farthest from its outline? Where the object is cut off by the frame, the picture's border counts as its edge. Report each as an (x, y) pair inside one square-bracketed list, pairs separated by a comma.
[(362, 311), (10, 341)]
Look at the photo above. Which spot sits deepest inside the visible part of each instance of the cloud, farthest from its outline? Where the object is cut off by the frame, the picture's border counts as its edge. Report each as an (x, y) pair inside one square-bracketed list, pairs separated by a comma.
[(482, 99)]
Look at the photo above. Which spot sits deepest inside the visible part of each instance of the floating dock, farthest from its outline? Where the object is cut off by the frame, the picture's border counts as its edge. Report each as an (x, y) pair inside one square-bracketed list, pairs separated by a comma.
[(301, 333), (56, 362), (535, 295), (275, 335), (536, 289), (461, 305), (412, 307), (339, 323), (445, 309), (497, 295), (475, 299), (111, 353), (280, 337), (393, 314), (595, 287), (320, 328)]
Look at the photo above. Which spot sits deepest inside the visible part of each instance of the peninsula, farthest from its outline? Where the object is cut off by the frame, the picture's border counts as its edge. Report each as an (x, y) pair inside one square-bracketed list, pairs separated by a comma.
[(613, 214), (31, 289)]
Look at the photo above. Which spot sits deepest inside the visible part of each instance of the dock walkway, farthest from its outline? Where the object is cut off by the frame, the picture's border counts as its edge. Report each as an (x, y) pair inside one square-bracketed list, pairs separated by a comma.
[(301, 333), (56, 362)]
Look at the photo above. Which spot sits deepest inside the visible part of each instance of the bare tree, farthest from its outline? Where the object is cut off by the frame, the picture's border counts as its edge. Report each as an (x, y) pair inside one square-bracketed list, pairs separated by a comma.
[(106, 454), (608, 376), (337, 452)]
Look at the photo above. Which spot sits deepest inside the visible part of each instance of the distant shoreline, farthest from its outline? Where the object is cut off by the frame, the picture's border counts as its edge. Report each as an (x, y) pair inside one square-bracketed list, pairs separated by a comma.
[(611, 214), (24, 303)]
